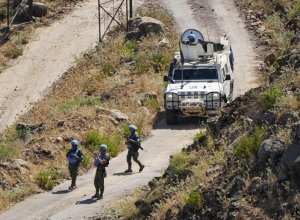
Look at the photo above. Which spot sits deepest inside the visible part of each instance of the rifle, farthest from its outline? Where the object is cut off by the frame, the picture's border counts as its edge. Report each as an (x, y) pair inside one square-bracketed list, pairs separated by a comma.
[(135, 143)]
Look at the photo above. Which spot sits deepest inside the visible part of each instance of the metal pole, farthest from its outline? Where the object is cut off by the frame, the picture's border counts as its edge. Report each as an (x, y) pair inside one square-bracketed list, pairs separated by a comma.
[(30, 9), (127, 28), (7, 14), (99, 21), (130, 8)]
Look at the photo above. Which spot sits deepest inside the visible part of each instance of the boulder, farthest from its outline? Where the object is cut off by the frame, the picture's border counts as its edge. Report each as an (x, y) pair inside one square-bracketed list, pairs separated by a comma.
[(296, 132), (39, 9), (290, 162), (286, 118), (133, 35), (271, 151), (142, 26), (270, 59)]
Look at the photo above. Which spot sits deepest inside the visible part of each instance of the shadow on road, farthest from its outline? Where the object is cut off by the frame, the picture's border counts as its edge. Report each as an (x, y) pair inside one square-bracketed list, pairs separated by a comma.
[(124, 174), (86, 201), (61, 191), (189, 123)]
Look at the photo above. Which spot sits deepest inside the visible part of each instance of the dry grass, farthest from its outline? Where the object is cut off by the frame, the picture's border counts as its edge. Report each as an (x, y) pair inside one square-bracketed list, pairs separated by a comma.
[(100, 78)]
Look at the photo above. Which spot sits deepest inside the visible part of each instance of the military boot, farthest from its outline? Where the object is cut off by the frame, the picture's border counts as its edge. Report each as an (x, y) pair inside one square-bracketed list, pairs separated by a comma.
[(141, 167), (100, 196), (129, 170)]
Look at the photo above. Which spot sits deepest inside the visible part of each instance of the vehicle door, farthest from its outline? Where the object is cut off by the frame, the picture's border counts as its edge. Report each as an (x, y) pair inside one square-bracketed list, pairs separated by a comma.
[(226, 79)]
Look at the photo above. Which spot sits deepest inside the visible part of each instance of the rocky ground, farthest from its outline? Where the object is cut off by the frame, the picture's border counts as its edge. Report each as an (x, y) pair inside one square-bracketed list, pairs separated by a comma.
[(259, 134)]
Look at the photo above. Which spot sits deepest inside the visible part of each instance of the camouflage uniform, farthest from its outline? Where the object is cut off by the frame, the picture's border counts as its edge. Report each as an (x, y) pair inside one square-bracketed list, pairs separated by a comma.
[(74, 156), (100, 174), (133, 144)]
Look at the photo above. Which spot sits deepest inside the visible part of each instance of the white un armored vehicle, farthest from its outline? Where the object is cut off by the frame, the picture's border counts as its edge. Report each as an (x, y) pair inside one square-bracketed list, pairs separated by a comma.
[(200, 78)]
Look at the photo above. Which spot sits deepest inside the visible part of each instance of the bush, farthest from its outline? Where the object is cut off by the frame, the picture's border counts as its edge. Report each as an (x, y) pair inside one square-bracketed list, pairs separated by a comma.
[(200, 136), (8, 152), (295, 11), (194, 199), (249, 144), (45, 179), (95, 139), (180, 163), (86, 161), (269, 98)]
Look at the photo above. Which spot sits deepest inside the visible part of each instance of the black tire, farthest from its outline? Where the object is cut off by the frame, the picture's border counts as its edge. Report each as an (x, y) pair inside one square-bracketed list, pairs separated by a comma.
[(171, 118)]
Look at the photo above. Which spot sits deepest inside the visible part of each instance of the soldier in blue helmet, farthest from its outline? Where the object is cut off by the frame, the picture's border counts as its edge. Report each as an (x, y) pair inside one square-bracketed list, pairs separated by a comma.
[(74, 156), (134, 144), (101, 161)]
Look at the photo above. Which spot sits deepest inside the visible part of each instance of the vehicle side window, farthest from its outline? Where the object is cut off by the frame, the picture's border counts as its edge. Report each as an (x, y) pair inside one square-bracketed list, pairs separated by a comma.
[(226, 68)]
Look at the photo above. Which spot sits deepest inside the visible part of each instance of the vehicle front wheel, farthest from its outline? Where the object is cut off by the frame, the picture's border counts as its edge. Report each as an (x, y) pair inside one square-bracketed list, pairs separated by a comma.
[(171, 118)]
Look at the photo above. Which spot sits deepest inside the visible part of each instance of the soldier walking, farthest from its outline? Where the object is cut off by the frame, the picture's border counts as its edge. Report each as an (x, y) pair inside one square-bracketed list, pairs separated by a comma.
[(101, 161), (133, 143), (74, 156)]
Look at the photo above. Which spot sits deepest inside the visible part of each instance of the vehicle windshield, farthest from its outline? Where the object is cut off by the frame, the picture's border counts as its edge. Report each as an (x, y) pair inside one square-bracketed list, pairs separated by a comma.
[(195, 74)]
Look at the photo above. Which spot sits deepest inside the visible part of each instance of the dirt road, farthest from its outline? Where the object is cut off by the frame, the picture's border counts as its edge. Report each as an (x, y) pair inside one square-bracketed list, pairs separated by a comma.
[(162, 142), (60, 204)]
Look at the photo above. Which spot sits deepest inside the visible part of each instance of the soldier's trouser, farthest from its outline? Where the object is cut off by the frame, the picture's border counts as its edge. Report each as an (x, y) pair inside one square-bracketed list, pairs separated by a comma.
[(99, 180), (73, 169), (134, 156)]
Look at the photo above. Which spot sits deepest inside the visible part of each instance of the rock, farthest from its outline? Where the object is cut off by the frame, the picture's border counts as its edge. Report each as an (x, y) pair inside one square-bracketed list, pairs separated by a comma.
[(22, 163), (255, 186), (150, 25), (118, 115), (59, 139), (39, 9), (286, 118), (268, 118), (296, 132), (271, 151), (270, 59), (133, 35), (30, 127), (133, 23), (164, 43), (290, 161), (144, 207), (60, 123), (151, 95), (238, 183)]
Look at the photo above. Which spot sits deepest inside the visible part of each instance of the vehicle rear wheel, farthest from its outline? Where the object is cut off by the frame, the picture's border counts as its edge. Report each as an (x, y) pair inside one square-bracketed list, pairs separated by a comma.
[(171, 118)]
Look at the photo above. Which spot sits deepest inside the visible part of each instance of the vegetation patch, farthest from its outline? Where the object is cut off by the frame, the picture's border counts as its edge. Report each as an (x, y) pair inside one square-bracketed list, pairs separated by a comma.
[(46, 179), (249, 144), (270, 96)]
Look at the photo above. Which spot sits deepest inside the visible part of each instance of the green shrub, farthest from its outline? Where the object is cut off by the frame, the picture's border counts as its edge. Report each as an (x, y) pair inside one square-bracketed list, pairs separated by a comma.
[(90, 101), (8, 152), (200, 136), (249, 144), (194, 199), (107, 69), (67, 106), (269, 98), (45, 179), (152, 103), (95, 139), (160, 61), (86, 161), (180, 163), (295, 11)]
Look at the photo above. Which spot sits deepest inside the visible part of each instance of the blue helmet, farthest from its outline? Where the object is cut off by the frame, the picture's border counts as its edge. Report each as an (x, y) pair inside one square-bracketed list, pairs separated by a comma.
[(74, 143), (132, 127), (103, 147)]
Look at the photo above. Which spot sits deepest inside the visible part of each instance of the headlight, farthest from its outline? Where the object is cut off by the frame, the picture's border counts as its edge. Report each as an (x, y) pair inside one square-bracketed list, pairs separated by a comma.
[(213, 100), (213, 96), (171, 97)]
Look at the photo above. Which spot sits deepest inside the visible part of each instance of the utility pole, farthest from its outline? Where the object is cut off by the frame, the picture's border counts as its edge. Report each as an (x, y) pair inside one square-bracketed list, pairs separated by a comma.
[(130, 9), (7, 14), (30, 9)]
